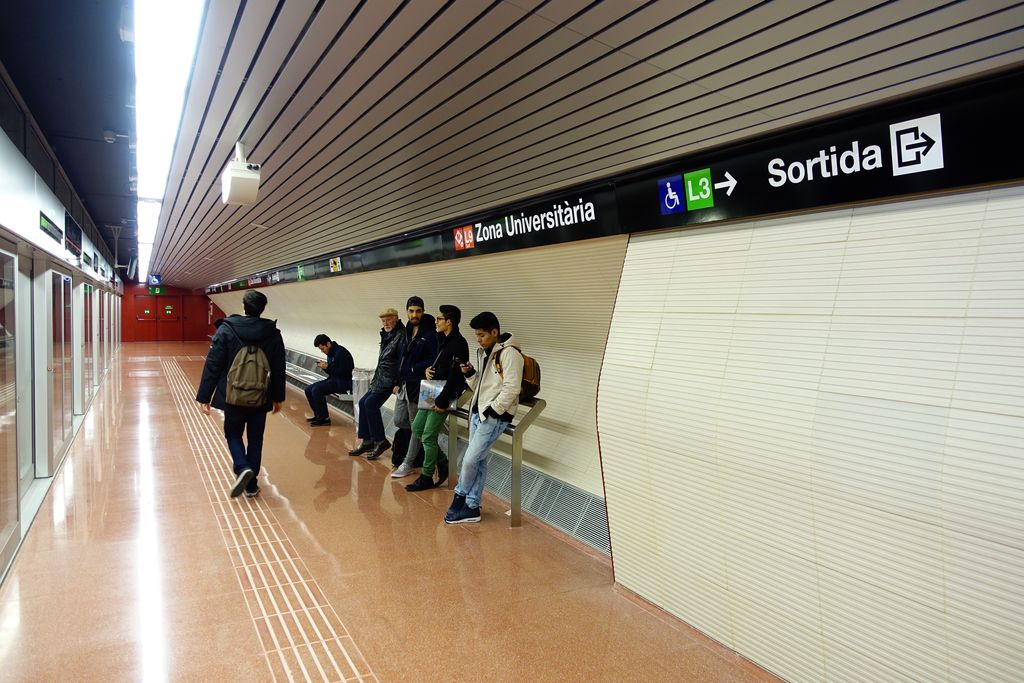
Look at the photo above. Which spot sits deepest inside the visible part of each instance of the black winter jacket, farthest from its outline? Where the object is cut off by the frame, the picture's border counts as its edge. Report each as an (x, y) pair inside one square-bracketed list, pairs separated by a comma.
[(339, 366), (385, 377), (418, 352), (251, 330), (453, 346)]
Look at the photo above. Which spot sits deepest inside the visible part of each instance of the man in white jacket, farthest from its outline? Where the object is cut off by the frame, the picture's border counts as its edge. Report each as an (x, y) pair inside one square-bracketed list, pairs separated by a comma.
[(496, 387)]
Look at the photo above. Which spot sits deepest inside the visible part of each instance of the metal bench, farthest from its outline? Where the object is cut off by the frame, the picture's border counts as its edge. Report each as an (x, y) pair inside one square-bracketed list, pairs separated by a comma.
[(516, 429)]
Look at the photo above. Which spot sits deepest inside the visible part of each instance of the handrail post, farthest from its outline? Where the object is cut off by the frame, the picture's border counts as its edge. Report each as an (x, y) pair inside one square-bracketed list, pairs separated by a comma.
[(453, 448), (532, 414), (517, 478)]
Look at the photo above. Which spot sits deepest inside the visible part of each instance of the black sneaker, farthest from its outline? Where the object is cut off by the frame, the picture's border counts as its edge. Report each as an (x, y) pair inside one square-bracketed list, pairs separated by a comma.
[(241, 482), (466, 515), (320, 422), (379, 449), (422, 483), (442, 471), (365, 447), (311, 419), (458, 502), (253, 494)]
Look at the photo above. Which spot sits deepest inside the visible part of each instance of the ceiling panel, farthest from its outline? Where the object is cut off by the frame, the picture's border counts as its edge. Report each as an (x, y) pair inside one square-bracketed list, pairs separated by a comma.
[(376, 119)]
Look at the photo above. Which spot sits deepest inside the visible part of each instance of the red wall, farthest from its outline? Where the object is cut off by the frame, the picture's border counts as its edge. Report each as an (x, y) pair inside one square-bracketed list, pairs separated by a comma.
[(174, 315)]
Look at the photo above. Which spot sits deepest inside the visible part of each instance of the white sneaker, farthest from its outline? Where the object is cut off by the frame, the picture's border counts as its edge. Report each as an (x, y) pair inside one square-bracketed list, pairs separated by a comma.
[(403, 471)]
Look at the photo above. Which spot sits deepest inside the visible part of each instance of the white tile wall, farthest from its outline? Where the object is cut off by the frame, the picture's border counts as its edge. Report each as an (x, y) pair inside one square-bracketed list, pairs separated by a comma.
[(812, 436)]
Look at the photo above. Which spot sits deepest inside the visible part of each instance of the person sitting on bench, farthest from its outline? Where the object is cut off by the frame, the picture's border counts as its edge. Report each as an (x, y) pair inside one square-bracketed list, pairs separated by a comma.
[(338, 366)]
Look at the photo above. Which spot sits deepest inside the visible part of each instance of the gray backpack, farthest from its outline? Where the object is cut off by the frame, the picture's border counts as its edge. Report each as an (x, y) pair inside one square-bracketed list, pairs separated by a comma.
[(248, 376)]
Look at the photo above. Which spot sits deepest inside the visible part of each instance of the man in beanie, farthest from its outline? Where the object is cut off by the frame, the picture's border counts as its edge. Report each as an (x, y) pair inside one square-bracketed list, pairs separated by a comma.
[(385, 379), (419, 348), (232, 333)]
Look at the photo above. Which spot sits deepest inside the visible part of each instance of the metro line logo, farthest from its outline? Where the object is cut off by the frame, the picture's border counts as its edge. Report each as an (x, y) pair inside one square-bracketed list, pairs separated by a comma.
[(463, 238)]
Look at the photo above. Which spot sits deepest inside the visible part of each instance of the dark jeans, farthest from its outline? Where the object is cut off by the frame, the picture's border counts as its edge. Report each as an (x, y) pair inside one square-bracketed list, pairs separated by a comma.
[(371, 426), (317, 393), (251, 423)]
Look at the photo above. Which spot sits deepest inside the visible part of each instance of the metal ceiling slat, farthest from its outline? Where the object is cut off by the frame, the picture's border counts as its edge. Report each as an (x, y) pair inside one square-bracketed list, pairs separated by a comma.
[(434, 148), (312, 149), (813, 33), (253, 95), (251, 27), (219, 19), (449, 137), (310, 52), (279, 44), (847, 44), (315, 108), (513, 45), (600, 141), (294, 169), (486, 169), (723, 133), (375, 14)]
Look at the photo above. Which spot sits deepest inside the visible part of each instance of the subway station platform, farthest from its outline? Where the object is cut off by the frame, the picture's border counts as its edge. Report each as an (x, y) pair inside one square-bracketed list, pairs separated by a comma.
[(139, 566)]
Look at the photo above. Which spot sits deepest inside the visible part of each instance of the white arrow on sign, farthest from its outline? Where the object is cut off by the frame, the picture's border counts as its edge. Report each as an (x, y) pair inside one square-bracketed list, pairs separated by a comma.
[(729, 183)]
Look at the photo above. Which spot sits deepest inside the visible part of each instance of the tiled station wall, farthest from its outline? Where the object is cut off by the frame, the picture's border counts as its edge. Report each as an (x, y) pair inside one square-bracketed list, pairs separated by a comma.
[(812, 433)]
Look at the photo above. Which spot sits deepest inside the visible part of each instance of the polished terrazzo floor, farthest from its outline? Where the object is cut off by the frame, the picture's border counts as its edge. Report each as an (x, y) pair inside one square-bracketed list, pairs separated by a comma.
[(139, 567)]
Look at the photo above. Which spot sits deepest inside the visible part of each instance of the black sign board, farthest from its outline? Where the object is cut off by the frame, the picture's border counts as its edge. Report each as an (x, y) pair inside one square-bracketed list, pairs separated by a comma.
[(564, 218), (72, 235), (966, 136), (50, 228)]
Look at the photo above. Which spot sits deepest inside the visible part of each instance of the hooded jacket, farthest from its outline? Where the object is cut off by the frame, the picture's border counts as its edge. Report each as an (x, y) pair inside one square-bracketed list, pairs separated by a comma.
[(385, 377), (251, 330), (497, 394)]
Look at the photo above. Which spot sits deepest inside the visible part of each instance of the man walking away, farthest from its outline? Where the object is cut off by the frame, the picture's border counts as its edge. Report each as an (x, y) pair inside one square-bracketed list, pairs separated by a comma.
[(495, 388), (419, 348), (233, 334), (338, 366), (385, 379)]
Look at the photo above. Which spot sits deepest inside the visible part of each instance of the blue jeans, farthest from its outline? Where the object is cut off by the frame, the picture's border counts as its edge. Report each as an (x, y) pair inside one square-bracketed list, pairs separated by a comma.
[(474, 464), (251, 423), (371, 426), (317, 393)]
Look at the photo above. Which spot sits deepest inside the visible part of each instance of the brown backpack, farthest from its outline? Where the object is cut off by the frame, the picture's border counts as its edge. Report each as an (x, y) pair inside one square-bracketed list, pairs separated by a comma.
[(530, 386)]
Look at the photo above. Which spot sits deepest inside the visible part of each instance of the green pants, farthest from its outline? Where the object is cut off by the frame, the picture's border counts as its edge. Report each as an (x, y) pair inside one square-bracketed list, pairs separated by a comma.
[(426, 427)]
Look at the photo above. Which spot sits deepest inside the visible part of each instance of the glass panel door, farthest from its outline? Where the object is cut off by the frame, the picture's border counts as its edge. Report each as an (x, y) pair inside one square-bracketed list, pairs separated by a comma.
[(56, 363), (69, 348), (102, 359), (8, 408), (87, 361)]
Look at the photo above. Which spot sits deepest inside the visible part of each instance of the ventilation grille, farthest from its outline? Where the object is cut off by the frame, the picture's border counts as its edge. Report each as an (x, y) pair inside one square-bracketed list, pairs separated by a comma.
[(571, 510)]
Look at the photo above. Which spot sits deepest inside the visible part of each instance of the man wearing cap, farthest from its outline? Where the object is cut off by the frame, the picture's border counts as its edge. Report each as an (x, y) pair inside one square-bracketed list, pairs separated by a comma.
[(419, 348), (385, 379)]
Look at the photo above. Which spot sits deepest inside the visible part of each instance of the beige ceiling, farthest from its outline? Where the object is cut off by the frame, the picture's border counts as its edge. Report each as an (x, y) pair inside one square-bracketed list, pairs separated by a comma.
[(376, 118)]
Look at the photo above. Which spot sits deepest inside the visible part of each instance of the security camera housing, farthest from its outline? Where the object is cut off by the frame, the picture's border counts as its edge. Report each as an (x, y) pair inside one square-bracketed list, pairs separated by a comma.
[(239, 183)]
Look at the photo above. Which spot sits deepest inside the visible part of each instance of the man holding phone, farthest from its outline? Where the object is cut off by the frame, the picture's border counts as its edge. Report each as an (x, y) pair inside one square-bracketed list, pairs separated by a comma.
[(495, 388), (452, 351), (338, 366)]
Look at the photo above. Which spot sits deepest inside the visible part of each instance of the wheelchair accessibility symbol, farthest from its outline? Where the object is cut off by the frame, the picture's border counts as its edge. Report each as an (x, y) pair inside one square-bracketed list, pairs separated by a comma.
[(670, 191)]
